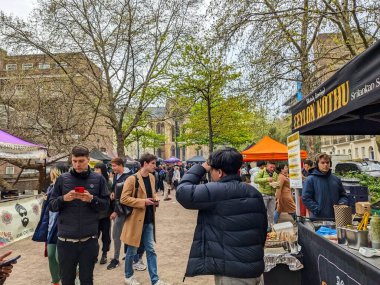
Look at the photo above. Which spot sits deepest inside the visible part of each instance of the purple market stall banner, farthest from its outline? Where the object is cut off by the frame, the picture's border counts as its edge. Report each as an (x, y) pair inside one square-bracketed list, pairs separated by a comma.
[(19, 218), (15, 148)]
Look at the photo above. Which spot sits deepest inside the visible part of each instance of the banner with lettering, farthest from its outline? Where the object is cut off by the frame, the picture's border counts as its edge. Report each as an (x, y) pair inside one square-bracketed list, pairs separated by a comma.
[(347, 103), (294, 160), (19, 218)]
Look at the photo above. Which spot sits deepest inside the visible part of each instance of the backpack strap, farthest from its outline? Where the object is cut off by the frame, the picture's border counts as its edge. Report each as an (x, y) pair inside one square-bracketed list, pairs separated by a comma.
[(136, 186)]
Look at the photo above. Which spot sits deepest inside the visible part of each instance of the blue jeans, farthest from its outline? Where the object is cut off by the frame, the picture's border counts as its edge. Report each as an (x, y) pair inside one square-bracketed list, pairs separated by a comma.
[(277, 216), (151, 257)]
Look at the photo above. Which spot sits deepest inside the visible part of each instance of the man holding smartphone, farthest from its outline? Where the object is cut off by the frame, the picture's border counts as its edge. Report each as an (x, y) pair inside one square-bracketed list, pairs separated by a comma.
[(78, 196), (140, 225), (5, 269)]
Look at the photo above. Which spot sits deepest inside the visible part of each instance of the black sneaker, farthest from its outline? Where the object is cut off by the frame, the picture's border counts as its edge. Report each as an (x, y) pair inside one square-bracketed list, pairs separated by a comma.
[(103, 260), (113, 264)]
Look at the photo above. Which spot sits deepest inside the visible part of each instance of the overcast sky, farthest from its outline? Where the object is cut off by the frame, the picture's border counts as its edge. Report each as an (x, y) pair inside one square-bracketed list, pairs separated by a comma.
[(19, 8)]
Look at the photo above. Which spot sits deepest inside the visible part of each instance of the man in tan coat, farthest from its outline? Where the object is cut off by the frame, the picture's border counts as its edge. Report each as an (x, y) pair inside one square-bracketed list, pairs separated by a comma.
[(140, 225)]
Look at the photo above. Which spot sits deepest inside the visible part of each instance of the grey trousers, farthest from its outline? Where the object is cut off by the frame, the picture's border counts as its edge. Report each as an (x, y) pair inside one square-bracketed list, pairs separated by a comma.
[(116, 233), (166, 189), (224, 280), (270, 204)]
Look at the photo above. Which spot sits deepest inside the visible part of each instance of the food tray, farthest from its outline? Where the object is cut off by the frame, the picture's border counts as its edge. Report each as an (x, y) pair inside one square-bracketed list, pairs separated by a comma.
[(276, 243)]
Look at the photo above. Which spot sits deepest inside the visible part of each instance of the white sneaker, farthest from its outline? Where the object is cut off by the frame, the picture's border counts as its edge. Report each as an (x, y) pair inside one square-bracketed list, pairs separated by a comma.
[(139, 265), (159, 282), (131, 281)]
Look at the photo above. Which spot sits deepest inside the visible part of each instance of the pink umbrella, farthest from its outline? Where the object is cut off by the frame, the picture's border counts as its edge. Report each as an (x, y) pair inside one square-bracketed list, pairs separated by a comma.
[(172, 160)]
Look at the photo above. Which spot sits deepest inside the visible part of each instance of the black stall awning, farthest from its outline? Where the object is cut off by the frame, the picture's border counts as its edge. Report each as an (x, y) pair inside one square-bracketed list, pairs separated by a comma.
[(97, 154), (348, 103)]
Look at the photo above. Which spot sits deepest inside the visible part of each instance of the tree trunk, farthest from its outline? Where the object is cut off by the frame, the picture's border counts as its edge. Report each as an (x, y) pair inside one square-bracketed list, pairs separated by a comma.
[(41, 178), (120, 144), (210, 131)]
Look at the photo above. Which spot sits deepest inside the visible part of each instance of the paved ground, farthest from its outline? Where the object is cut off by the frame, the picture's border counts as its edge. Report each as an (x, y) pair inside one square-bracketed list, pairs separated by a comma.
[(175, 230)]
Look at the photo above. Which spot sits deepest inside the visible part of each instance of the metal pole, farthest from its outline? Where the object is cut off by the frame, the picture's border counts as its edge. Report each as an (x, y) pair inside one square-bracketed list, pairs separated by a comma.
[(297, 198)]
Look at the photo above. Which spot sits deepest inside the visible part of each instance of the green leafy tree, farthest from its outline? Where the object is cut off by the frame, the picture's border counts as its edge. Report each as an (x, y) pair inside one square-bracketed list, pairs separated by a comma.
[(126, 45), (231, 120), (145, 138), (200, 75)]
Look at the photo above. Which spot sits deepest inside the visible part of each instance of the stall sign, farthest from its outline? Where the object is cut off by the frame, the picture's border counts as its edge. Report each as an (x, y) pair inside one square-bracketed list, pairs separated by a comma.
[(294, 160), (320, 104), (19, 218)]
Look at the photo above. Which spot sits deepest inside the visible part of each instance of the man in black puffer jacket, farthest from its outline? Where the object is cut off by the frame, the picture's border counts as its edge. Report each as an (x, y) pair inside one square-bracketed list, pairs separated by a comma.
[(232, 222), (78, 196)]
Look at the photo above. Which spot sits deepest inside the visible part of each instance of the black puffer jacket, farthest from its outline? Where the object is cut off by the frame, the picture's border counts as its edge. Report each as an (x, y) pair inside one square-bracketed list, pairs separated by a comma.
[(231, 229), (78, 219)]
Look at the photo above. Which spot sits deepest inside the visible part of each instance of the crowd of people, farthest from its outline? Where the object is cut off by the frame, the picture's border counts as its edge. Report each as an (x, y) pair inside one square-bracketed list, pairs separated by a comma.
[(321, 189), (84, 207), (235, 210)]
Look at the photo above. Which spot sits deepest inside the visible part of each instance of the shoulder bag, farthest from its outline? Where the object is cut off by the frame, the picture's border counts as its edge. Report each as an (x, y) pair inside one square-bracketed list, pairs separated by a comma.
[(125, 210)]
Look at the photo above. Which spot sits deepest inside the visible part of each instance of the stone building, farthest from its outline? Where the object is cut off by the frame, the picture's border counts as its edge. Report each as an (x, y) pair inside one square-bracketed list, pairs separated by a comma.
[(47, 100), (168, 125)]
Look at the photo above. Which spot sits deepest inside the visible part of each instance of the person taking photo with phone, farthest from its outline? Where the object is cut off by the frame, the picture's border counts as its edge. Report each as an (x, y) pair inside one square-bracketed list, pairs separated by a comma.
[(232, 221), (140, 225), (5, 269), (78, 196)]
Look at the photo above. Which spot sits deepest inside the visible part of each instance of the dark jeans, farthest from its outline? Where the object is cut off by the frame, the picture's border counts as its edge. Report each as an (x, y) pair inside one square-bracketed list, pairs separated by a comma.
[(105, 230), (70, 254)]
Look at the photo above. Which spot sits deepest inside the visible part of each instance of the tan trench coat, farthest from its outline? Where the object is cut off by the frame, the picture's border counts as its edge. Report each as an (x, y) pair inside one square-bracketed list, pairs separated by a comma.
[(133, 225)]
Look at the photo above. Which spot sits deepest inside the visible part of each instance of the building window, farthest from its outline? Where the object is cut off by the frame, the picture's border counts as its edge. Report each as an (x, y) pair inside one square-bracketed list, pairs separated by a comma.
[(26, 66), (371, 153), (11, 66), (363, 152), (349, 151), (9, 170), (172, 151), (159, 152), (344, 151), (158, 128), (19, 87), (43, 65), (61, 64), (338, 152), (162, 128), (173, 134), (356, 152)]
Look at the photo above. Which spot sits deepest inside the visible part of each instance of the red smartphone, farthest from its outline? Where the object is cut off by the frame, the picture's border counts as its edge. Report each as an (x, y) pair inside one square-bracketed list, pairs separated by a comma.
[(79, 189)]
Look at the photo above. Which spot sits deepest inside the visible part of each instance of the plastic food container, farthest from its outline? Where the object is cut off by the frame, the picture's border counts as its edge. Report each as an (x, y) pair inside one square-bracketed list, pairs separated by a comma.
[(284, 227)]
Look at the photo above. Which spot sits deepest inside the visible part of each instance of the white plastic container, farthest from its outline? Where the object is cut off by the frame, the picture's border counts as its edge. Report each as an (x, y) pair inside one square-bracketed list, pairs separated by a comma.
[(284, 227)]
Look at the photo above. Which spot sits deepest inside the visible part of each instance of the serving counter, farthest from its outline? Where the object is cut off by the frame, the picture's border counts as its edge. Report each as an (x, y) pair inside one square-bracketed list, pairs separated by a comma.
[(328, 263)]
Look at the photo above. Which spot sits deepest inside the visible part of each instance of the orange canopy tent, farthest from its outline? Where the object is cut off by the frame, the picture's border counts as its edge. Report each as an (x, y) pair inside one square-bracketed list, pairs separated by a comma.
[(268, 149)]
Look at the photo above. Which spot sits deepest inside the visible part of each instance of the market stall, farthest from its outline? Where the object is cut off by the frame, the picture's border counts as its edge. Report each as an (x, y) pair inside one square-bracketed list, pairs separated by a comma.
[(325, 261), (346, 104), (268, 149), (196, 159), (20, 216)]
